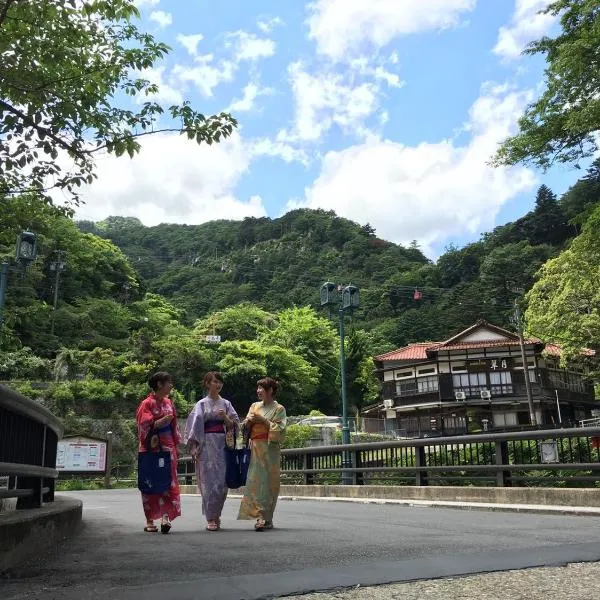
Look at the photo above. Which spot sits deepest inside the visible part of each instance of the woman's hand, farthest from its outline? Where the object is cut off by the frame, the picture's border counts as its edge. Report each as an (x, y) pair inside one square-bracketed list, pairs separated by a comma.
[(163, 421), (222, 414)]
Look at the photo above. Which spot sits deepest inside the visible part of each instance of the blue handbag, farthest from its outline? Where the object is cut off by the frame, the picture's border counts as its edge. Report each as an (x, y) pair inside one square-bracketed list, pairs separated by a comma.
[(154, 468), (237, 462)]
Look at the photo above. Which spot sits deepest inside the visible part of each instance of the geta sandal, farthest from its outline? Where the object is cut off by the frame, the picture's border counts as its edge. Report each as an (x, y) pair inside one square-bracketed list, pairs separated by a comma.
[(165, 526), (151, 529)]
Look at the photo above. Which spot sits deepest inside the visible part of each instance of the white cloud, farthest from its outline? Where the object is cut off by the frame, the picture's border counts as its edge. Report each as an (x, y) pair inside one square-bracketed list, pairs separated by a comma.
[(173, 180), (162, 18), (142, 3), (325, 99), (430, 191), (251, 92), (166, 93), (205, 74), (341, 27), (248, 46), (526, 25), (267, 25), (190, 42), (280, 149)]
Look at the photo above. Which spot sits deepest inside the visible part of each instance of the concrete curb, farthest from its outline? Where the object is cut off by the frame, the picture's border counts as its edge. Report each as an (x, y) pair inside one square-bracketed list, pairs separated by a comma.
[(526, 508), (25, 533), (564, 501)]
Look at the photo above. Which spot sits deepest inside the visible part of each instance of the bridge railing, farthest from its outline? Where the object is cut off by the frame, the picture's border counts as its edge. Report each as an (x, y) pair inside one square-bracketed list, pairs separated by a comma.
[(29, 435), (543, 458), (552, 458)]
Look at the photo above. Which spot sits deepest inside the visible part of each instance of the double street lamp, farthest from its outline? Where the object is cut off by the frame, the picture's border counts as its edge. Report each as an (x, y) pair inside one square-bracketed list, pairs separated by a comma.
[(345, 298)]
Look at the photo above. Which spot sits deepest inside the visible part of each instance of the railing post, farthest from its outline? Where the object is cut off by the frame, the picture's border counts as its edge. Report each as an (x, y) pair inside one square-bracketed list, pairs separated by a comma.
[(307, 463), (356, 462), (108, 466), (35, 500), (421, 465), (502, 477)]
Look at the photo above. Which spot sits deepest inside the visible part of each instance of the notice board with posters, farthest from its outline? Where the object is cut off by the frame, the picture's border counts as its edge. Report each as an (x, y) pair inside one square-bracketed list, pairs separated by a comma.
[(81, 454)]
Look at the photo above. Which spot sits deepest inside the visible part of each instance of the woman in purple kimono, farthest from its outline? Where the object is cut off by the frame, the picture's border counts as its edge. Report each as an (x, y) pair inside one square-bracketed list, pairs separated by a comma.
[(205, 432)]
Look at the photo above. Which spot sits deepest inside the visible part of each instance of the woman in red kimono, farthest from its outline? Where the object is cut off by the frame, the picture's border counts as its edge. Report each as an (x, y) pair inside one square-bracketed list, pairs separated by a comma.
[(156, 414)]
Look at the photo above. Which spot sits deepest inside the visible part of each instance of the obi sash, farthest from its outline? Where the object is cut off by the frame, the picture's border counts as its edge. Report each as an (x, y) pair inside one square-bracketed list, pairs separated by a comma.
[(214, 427), (259, 432)]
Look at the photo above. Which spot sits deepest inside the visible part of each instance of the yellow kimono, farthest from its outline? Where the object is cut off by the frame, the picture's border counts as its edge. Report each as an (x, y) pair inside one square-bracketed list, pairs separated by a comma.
[(262, 486)]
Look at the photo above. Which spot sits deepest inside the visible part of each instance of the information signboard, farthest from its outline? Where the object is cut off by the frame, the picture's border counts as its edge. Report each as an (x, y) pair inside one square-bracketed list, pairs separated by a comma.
[(80, 454)]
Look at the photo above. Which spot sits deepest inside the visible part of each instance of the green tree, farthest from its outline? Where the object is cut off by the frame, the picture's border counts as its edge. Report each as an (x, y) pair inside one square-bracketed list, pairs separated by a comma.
[(303, 332), (244, 321), (564, 304), (68, 67), (547, 223), (580, 198), (244, 362), (561, 125)]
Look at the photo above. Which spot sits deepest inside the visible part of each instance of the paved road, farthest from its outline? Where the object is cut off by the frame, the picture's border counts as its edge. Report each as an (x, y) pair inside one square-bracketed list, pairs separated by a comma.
[(316, 546)]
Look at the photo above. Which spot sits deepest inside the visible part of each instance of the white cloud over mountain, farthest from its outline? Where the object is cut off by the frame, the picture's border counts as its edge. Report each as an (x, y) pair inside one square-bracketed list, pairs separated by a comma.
[(429, 191)]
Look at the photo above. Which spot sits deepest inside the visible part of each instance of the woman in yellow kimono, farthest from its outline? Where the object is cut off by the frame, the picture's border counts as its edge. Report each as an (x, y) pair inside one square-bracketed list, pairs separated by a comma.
[(266, 421)]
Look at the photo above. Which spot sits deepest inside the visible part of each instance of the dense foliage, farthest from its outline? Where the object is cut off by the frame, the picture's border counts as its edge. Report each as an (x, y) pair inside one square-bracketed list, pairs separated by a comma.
[(562, 125), (134, 299)]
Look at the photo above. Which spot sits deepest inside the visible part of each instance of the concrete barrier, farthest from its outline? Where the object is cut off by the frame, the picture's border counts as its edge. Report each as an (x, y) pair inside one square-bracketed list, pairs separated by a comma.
[(584, 497), (540, 496), (26, 533)]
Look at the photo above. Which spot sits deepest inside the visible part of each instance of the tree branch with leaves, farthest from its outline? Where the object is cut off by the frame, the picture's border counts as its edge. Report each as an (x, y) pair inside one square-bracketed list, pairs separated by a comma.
[(67, 71), (561, 126)]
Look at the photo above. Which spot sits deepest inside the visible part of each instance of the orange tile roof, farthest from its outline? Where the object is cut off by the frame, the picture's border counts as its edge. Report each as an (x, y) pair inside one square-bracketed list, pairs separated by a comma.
[(556, 350), (485, 344), (416, 351)]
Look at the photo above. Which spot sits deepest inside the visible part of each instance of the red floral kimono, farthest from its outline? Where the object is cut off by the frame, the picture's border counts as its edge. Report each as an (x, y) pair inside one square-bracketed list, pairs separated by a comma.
[(149, 410)]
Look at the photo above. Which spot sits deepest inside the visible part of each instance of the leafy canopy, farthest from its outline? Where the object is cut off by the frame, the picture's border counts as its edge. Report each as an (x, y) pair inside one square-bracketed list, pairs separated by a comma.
[(67, 68), (564, 304), (560, 125)]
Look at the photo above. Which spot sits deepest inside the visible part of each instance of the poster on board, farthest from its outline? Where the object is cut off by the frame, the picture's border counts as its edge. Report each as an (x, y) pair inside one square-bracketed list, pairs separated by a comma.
[(80, 454)]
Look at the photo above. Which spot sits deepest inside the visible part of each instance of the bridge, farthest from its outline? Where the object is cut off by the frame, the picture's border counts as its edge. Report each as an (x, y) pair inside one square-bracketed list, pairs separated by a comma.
[(316, 545), (377, 534)]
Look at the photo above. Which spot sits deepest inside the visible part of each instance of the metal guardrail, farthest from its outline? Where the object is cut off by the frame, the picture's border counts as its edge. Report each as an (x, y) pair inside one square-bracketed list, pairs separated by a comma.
[(549, 457), (29, 435)]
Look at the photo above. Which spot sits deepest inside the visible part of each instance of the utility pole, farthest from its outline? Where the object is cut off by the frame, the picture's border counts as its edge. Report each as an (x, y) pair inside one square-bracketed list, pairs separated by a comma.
[(3, 282), (57, 266), (519, 324)]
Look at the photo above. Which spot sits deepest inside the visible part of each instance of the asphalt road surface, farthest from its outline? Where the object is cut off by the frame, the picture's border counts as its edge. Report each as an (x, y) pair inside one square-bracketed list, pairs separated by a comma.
[(315, 546)]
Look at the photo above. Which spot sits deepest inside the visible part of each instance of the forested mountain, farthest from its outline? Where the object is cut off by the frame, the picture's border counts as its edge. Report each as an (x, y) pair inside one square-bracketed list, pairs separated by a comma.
[(131, 299)]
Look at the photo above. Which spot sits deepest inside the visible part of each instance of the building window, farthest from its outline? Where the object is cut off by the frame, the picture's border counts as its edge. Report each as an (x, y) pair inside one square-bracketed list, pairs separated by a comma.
[(501, 383), (427, 384), (406, 388), (455, 423), (426, 371), (505, 419), (401, 374), (470, 383), (422, 385), (566, 380)]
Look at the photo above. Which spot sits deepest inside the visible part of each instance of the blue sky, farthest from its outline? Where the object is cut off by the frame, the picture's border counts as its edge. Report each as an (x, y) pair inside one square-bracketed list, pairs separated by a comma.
[(386, 111)]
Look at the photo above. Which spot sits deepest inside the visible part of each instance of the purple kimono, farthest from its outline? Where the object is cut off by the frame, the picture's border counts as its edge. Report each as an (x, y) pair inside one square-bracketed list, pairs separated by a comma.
[(205, 431)]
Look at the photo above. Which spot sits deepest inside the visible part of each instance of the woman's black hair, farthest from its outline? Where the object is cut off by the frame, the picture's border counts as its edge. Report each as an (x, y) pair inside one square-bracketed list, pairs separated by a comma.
[(268, 383), (158, 378)]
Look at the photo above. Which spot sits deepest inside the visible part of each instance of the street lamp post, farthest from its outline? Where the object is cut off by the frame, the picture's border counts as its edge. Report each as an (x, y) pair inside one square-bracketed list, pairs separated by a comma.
[(346, 298), (26, 251)]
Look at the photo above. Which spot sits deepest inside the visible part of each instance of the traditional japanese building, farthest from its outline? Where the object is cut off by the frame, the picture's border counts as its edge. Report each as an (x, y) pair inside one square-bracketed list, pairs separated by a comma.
[(475, 381)]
